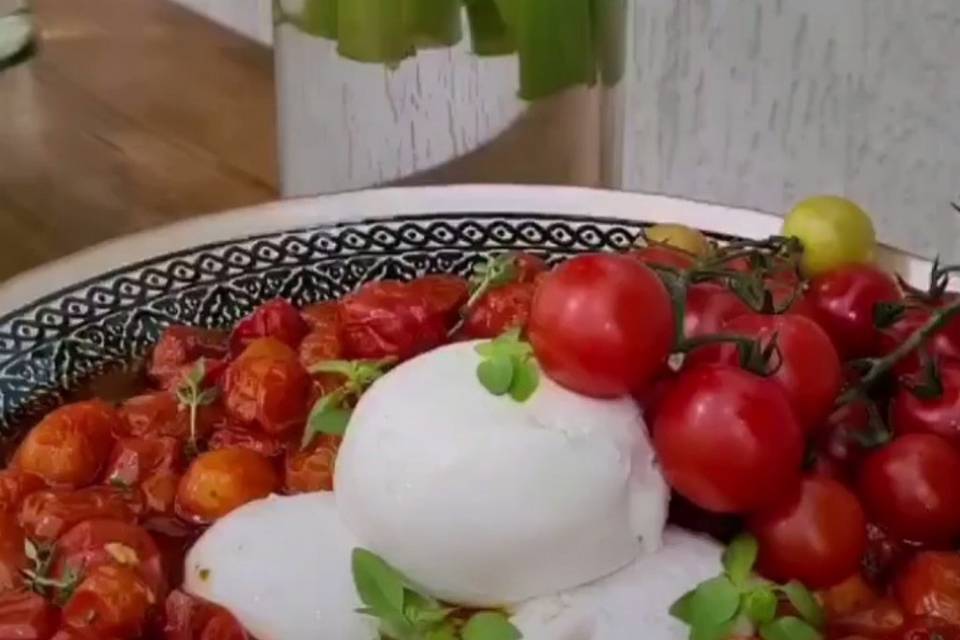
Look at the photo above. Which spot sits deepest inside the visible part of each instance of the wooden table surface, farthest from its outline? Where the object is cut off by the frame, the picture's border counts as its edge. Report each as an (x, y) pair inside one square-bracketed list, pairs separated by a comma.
[(133, 114)]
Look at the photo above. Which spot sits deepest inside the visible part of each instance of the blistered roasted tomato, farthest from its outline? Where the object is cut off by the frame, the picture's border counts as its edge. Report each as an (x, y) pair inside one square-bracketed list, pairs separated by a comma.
[(266, 445), (880, 620), (929, 585), (15, 486), (24, 615), (500, 310), (218, 482), (267, 387), (322, 316), (13, 559), (70, 446), (112, 600), (320, 345), (135, 459), (847, 597), (312, 469), (189, 618), (160, 414), (443, 294), (46, 515), (277, 319), (180, 346), (389, 319)]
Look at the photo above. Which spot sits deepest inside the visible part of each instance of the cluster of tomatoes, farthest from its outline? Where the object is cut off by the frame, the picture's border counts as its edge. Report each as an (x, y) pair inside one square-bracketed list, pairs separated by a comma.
[(100, 502), (821, 421)]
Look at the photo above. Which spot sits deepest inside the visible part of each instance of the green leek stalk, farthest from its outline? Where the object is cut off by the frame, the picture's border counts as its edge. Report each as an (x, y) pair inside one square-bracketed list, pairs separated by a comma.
[(555, 46), (319, 18), (372, 31), (489, 34), (432, 23), (610, 34)]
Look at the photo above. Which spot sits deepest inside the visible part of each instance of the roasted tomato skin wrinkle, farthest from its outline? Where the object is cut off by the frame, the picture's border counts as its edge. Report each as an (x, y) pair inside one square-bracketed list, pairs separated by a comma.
[(602, 325), (112, 600), (24, 615), (929, 585), (817, 536), (13, 559), (910, 487), (276, 319), (46, 515), (500, 310), (940, 415), (727, 440)]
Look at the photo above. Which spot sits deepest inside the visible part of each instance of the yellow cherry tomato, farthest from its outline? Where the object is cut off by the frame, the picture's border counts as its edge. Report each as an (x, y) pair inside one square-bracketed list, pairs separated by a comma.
[(680, 236), (834, 232)]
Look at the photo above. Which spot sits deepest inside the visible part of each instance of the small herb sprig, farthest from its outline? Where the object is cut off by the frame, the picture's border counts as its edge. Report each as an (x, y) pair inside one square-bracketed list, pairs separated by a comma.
[(406, 614), (508, 366), (38, 576), (331, 413), (191, 395), (496, 272), (739, 603)]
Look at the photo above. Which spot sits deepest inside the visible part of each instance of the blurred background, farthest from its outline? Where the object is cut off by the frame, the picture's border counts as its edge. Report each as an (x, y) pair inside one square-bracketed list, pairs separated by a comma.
[(127, 114)]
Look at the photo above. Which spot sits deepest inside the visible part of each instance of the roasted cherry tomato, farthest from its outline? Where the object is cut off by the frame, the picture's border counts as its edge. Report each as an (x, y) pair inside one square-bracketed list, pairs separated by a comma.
[(390, 319), (265, 445), (24, 615), (728, 440), (847, 597), (70, 446), (912, 412), (180, 346), (881, 620), (529, 267), (602, 325), (213, 370), (312, 469), (97, 542), (160, 414), (927, 628), (189, 618), (659, 256), (910, 487), (218, 482), (135, 459), (929, 585), (444, 294), (844, 301), (16, 485), (46, 515), (112, 600), (277, 319), (709, 306), (13, 559), (323, 316), (267, 387), (319, 346), (816, 536), (807, 367), (500, 310)]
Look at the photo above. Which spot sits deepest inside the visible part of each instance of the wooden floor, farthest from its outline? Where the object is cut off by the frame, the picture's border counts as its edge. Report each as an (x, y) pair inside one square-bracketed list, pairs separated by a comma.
[(133, 114)]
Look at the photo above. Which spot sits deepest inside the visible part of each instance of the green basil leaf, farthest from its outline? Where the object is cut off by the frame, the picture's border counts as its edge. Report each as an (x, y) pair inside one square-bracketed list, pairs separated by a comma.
[(714, 602), (496, 374), (330, 420), (789, 628), (343, 367), (446, 631), (681, 608), (423, 611), (804, 602), (711, 632), (489, 625), (739, 558), (380, 586), (760, 605), (526, 379), (207, 396)]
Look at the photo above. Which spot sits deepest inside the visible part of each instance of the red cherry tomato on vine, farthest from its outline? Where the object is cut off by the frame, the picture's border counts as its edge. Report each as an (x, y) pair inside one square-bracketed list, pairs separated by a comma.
[(816, 536), (939, 415), (944, 346), (728, 440), (708, 307), (602, 325), (808, 369), (843, 302), (910, 487), (661, 256)]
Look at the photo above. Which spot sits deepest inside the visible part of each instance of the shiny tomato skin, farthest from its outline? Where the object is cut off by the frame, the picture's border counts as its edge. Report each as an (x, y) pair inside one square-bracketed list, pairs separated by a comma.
[(929, 629), (180, 346), (323, 316), (843, 302), (13, 559), (910, 413), (16, 485), (261, 443), (808, 369), (97, 542), (111, 600), (500, 310), (529, 266), (944, 346), (70, 446), (217, 482), (602, 325), (189, 618), (444, 294), (660, 256), (24, 615), (816, 536), (389, 319), (267, 387), (312, 469), (319, 346), (709, 306), (910, 487), (159, 414), (929, 585), (727, 440), (46, 515), (135, 459), (277, 319)]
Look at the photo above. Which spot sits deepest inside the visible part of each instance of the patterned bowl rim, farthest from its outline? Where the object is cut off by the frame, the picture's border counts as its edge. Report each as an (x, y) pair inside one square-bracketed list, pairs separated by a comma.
[(378, 204)]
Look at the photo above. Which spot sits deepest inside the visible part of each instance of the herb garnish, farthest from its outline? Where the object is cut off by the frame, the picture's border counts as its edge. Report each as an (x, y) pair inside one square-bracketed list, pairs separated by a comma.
[(38, 577), (192, 395), (406, 614), (508, 366), (738, 602), (496, 272), (331, 412)]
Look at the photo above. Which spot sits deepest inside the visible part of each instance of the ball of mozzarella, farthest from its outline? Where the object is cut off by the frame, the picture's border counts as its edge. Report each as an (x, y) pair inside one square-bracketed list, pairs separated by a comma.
[(282, 567), (484, 501)]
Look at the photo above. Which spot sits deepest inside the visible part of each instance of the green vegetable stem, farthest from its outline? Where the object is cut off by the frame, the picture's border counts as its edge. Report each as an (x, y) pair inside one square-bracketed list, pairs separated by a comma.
[(489, 34), (372, 31), (432, 23), (555, 42)]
